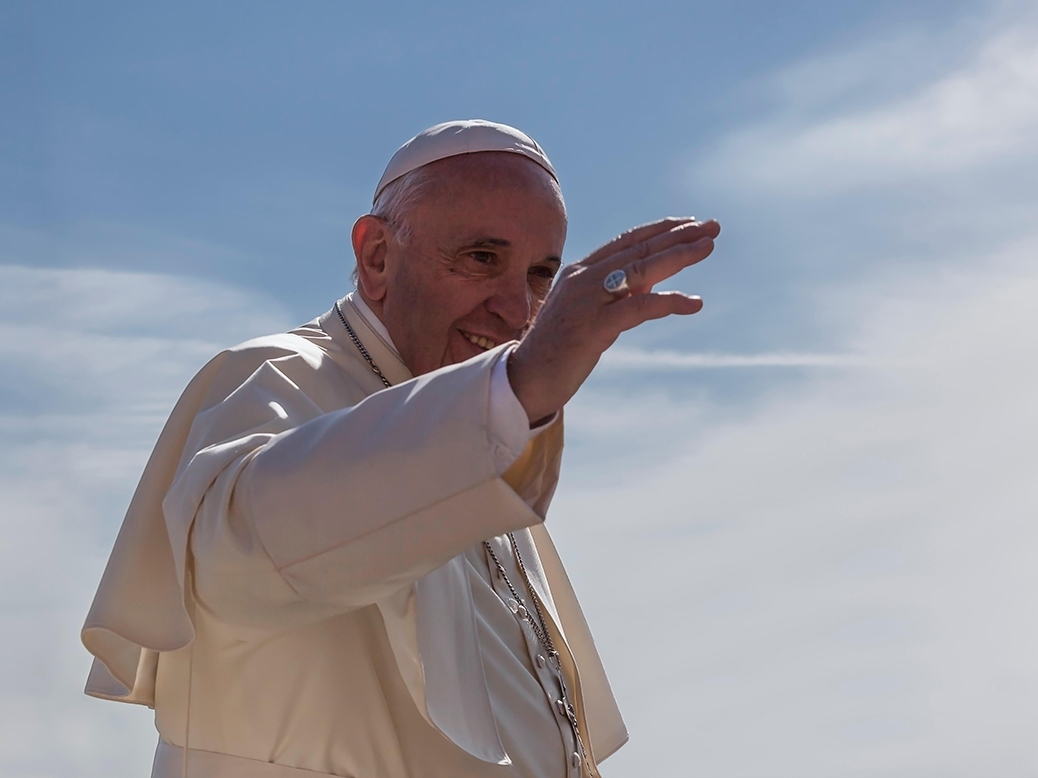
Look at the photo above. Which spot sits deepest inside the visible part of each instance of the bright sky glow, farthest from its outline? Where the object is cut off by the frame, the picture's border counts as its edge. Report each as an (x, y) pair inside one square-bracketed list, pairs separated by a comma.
[(802, 523)]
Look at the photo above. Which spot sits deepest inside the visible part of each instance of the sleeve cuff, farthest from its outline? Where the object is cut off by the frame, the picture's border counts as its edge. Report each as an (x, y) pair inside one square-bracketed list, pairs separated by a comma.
[(509, 427)]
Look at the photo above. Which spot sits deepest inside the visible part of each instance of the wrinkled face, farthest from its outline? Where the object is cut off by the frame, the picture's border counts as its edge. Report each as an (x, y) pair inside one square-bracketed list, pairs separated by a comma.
[(485, 244)]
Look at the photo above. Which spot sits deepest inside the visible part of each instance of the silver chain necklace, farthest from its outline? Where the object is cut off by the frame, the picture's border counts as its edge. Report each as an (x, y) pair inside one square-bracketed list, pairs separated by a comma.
[(360, 346), (539, 626)]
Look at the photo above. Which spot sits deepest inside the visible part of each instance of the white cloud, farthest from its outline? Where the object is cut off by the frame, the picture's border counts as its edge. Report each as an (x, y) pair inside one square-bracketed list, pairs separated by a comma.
[(854, 557), (980, 113), (839, 580)]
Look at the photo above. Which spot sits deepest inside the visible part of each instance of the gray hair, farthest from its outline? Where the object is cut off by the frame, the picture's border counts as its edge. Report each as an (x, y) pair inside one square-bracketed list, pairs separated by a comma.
[(395, 203)]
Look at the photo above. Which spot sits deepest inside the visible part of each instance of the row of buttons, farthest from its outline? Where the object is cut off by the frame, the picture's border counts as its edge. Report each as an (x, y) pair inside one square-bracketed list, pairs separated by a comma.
[(525, 618)]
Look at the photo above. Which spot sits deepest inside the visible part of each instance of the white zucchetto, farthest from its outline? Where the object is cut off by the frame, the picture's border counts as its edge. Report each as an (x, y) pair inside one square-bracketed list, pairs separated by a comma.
[(460, 137)]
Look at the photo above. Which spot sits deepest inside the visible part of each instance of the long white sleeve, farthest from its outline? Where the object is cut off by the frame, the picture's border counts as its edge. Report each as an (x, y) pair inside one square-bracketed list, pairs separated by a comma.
[(295, 513)]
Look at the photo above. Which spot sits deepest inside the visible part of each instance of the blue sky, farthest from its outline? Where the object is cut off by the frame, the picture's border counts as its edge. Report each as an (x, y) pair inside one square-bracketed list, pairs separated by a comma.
[(799, 522)]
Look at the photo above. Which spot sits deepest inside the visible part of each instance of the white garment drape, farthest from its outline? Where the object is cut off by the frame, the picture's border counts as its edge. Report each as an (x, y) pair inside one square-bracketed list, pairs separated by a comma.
[(282, 477)]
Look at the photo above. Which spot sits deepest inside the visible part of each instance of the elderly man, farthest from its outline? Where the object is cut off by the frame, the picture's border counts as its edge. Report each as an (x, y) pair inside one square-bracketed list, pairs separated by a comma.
[(335, 562)]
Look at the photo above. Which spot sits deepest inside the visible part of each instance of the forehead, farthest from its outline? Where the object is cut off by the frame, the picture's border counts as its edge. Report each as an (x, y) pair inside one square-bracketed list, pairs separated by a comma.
[(494, 187), (488, 167)]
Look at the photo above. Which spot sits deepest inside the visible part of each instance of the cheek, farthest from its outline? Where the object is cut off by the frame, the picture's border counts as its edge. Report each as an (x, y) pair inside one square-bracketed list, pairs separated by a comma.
[(432, 320), (414, 293)]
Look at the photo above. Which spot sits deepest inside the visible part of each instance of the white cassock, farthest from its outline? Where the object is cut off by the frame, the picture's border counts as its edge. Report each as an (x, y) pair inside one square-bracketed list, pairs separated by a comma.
[(300, 585)]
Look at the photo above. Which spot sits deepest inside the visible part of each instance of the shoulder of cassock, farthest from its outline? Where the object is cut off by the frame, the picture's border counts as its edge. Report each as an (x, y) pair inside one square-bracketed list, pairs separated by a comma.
[(139, 603), (139, 609)]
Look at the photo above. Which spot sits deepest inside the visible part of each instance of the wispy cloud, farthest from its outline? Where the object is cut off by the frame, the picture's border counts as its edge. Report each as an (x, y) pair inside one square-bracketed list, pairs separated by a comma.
[(634, 359), (867, 529), (979, 113), (840, 573)]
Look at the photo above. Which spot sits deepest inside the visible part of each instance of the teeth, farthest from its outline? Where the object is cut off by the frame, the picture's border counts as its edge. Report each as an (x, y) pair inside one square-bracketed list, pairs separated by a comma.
[(480, 341)]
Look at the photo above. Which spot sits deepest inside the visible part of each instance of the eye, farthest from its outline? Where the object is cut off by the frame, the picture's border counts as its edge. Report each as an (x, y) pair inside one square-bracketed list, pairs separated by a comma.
[(543, 272), (483, 257)]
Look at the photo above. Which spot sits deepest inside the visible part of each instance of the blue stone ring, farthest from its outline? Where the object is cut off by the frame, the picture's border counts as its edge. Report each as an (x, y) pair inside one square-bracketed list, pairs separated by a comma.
[(616, 283)]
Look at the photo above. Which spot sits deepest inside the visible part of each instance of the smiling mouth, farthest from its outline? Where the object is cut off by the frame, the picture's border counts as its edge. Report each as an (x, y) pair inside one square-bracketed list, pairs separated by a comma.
[(478, 340)]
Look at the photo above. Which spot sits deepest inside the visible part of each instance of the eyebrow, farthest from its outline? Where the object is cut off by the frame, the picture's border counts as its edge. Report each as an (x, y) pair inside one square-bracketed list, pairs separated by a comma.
[(507, 244), (488, 241)]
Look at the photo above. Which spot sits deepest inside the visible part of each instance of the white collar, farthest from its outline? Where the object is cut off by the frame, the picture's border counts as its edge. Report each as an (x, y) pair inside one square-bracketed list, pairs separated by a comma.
[(371, 319)]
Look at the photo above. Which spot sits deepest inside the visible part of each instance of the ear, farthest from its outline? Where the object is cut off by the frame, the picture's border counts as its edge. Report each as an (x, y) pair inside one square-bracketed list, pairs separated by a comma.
[(370, 244)]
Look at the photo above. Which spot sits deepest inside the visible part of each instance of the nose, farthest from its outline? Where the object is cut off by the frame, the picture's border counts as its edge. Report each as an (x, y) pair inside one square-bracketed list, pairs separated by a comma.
[(512, 301)]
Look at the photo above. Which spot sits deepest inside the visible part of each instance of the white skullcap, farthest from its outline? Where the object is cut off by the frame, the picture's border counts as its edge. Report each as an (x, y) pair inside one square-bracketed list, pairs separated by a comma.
[(460, 137)]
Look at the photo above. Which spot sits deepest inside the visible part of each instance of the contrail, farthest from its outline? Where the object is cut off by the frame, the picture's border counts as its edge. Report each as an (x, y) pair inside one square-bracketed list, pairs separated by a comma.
[(630, 359)]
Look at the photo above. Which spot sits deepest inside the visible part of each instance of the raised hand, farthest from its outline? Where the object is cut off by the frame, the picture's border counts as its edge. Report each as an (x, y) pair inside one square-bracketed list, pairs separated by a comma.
[(581, 319)]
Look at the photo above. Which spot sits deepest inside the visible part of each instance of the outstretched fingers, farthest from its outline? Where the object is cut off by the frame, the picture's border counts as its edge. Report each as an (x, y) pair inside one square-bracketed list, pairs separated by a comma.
[(683, 234), (636, 236), (639, 308), (643, 274)]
